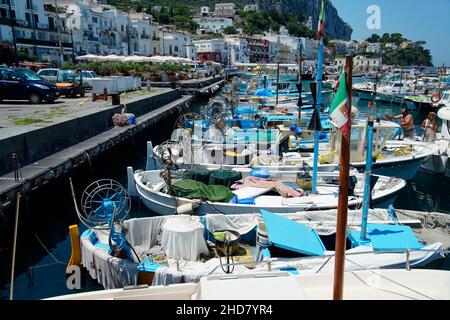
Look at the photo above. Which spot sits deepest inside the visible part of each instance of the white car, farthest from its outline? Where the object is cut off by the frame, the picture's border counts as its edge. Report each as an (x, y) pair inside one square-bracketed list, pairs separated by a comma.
[(88, 76)]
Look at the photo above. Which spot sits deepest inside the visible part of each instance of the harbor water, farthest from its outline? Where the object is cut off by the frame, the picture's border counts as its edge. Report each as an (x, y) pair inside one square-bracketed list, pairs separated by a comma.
[(45, 215)]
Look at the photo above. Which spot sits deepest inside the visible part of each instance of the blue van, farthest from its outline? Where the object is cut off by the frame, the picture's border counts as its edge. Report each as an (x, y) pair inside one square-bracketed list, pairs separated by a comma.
[(25, 84)]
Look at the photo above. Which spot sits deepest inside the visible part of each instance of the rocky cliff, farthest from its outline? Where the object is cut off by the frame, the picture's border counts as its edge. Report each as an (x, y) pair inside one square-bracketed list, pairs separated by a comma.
[(334, 25)]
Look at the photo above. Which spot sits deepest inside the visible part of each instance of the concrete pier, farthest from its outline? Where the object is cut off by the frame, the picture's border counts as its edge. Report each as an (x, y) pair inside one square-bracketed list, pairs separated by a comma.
[(46, 150), (194, 86)]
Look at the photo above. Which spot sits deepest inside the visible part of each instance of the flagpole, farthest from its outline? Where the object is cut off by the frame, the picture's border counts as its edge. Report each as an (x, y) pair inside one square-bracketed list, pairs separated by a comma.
[(339, 259), (318, 105)]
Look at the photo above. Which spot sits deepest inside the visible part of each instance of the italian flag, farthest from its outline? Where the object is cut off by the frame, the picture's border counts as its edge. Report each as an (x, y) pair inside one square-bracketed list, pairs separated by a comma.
[(321, 26), (339, 110)]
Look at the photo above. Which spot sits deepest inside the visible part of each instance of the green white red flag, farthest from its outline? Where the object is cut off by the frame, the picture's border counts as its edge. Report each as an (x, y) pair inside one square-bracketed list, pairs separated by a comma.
[(321, 26), (339, 110)]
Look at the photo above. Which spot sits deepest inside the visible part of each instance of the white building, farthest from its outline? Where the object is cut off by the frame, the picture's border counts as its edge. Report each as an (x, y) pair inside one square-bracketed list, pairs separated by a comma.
[(361, 64), (177, 44), (251, 7), (227, 10), (35, 29), (211, 49), (237, 48), (214, 24), (204, 11), (373, 48)]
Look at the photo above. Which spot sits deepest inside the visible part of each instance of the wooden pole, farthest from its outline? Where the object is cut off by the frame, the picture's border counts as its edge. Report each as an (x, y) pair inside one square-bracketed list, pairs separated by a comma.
[(339, 264), (13, 261)]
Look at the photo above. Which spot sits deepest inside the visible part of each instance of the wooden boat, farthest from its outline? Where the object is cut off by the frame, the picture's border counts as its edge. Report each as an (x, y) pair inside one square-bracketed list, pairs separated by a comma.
[(173, 249), (153, 191)]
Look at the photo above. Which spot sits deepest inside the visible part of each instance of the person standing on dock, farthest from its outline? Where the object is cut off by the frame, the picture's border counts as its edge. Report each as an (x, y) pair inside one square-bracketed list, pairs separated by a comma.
[(407, 124), (429, 126)]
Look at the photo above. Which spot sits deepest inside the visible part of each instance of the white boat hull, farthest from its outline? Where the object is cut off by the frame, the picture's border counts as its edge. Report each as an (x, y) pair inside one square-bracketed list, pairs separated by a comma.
[(165, 204)]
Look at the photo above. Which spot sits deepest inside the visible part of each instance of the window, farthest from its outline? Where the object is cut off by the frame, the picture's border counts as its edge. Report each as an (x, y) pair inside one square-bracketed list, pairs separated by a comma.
[(9, 76)]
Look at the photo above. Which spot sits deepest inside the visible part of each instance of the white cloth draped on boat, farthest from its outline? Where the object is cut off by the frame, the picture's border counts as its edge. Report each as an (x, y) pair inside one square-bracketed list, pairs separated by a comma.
[(183, 239), (110, 272), (165, 276), (192, 271), (243, 223), (143, 233)]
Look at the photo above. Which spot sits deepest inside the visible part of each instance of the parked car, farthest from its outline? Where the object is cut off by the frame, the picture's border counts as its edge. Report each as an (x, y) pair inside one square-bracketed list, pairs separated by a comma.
[(50, 74), (59, 75), (24, 84), (88, 76), (70, 82)]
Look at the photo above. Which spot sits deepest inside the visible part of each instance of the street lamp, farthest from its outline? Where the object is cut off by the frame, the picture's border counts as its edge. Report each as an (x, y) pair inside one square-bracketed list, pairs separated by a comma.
[(58, 27), (69, 15)]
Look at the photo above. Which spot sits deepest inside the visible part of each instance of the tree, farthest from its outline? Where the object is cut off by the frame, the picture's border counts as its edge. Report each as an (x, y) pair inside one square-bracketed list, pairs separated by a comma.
[(374, 38), (230, 30)]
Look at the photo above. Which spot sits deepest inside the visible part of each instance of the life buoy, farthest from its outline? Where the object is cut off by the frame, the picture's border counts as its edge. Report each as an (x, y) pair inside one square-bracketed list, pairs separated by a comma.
[(436, 97)]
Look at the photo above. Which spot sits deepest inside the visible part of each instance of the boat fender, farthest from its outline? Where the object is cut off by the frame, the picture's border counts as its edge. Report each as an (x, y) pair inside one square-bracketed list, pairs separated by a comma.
[(188, 208), (260, 173), (246, 201), (299, 131), (293, 127), (436, 97)]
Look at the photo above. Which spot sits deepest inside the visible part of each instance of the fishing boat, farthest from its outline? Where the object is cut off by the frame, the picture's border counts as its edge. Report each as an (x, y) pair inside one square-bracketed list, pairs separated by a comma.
[(393, 92), (170, 249), (245, 190), (395, 158), (359, 285), (438, 163)]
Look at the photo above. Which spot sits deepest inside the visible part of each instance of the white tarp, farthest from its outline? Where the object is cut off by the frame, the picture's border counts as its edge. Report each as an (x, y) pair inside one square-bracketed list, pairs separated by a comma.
[(243, 223)]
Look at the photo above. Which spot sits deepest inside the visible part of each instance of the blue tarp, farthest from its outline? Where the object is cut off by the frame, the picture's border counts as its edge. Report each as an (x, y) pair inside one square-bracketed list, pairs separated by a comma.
[(387, 237), (290, 235)]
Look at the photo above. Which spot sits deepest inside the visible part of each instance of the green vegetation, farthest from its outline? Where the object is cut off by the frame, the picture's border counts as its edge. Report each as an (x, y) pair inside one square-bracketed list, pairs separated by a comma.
[(258, 22), (230, 30), (408, 53), (172, 12)]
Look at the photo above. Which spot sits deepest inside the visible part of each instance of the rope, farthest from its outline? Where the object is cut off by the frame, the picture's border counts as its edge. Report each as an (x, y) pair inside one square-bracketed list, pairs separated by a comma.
[(48, 251)]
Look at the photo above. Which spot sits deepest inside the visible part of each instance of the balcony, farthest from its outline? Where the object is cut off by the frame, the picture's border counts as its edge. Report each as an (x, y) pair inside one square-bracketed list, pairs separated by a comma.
[(155, 38)]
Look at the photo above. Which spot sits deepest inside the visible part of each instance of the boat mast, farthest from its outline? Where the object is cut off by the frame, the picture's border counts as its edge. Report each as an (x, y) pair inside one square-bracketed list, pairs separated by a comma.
[(299, 84), (339, 259), (278, 67), (318, 107)]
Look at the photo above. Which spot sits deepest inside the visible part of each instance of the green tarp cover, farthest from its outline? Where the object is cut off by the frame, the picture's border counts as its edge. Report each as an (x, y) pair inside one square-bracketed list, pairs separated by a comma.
[(199, 174), (224, 177), (218, 177), (191, 189)]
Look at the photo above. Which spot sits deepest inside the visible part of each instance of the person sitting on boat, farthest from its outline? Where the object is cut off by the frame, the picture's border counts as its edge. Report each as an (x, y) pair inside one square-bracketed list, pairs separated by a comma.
[(407, 124), (429, 126)]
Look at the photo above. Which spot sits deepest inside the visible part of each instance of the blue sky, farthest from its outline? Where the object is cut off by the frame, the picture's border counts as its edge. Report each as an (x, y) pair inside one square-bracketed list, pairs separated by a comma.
[(427, 20)]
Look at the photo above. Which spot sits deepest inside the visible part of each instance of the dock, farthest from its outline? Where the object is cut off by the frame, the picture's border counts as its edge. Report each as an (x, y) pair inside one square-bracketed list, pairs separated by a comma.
[(46, 150), (203, 86)]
